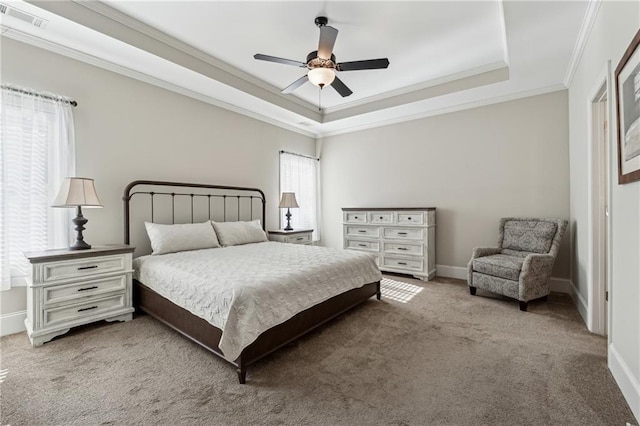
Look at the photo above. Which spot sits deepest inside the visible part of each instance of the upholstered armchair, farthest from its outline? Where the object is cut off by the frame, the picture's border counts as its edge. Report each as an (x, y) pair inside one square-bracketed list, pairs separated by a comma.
[(520, 267)]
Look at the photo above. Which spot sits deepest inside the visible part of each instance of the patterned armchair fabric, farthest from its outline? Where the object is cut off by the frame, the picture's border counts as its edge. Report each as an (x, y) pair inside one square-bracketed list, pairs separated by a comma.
[(520, 267)]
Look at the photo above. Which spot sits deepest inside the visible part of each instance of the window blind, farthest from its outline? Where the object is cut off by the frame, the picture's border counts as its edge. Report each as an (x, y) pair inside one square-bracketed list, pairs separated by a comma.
[(36, 153), (300, 175)]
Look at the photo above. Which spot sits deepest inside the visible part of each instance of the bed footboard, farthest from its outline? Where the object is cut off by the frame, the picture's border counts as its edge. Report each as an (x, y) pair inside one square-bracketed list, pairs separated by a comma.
[(208, 336)]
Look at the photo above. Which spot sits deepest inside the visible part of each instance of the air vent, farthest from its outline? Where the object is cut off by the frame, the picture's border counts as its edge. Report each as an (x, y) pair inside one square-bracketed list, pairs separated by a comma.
[(23, 16)]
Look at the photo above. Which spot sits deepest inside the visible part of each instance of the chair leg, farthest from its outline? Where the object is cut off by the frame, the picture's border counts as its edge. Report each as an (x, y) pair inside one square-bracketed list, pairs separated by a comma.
[(544, 298), (523, 306), (472, 290)]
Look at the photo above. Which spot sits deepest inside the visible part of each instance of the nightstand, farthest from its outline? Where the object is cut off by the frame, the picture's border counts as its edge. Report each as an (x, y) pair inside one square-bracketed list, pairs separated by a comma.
[(297, 236), (67, 288)]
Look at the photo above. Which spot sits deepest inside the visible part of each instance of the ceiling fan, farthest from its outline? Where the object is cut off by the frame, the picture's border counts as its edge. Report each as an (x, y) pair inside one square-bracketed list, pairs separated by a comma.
[(322, 63)]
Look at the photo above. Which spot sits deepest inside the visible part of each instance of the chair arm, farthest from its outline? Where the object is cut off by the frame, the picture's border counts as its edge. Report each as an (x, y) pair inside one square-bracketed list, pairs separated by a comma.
[(538, 264), (484, 251), (479, 252), (535, 277)]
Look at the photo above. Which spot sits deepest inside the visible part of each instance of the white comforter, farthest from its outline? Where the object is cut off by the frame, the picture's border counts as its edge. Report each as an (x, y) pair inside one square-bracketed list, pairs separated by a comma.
[(245, 290)]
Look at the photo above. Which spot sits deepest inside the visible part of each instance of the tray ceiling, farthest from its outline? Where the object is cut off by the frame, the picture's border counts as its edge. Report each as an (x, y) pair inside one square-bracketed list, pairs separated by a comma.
[(443, 55)]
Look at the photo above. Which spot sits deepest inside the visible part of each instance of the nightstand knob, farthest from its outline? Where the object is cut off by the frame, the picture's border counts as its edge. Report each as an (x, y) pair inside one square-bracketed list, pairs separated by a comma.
[(87, 267)]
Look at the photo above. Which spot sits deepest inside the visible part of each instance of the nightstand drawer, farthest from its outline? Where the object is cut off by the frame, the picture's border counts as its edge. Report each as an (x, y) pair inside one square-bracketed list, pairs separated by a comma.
[(414, 265), (95, 306), (62, 293), (363, 245), (298, 239), (82, 267)]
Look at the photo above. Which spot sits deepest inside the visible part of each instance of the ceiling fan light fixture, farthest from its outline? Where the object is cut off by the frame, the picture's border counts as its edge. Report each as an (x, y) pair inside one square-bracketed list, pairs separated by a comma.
[(321, 76)]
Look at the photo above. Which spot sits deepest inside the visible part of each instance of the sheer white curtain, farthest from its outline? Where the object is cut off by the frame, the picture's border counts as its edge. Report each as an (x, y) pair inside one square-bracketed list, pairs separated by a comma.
[(301, 175), (37, 151)]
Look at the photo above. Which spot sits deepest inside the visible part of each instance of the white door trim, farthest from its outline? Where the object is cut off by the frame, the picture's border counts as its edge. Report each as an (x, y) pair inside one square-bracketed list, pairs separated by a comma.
[(597, 273)]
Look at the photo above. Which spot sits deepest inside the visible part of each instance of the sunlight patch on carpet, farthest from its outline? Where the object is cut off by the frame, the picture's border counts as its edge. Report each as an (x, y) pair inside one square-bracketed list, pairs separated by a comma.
[(398, 291), (3, 375)]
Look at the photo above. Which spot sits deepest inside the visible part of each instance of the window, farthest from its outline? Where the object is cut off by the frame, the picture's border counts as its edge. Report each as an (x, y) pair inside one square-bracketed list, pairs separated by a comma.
[(36, 153), (300, 174)]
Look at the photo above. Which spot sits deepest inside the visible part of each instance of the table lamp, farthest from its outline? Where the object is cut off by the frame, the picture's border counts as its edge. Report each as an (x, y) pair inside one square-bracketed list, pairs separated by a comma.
[(78, 192), (288, 201)]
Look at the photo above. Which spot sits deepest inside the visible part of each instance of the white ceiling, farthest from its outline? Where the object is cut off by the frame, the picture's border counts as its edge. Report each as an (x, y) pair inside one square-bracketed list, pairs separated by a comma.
[(444, 56)]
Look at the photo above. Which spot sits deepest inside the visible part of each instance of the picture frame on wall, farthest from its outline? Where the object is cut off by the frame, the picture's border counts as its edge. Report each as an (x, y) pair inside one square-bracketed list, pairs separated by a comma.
[(627, 81)]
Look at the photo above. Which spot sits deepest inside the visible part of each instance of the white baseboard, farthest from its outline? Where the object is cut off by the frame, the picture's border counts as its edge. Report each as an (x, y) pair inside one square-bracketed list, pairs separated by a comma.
[(451, 272), (12, 323), (580, 302), (559, 285), (627, 383)]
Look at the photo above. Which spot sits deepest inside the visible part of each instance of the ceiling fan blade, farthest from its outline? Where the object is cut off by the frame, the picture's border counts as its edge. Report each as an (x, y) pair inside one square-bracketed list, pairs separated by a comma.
[(262, 57), (371, 64), (341, 87), (293, 86), (327, 41)]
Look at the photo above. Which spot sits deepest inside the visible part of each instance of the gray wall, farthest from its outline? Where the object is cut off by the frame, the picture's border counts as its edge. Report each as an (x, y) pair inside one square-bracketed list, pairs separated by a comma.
[(474, 166), (128, 130), (614, 28)]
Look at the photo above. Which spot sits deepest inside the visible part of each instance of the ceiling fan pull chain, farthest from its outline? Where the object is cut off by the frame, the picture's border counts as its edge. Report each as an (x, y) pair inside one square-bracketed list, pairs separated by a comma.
[(320, 100)]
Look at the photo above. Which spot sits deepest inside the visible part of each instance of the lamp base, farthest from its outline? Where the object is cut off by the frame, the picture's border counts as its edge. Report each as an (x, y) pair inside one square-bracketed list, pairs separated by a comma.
[(288, 215), (79, 221), (79, 245)]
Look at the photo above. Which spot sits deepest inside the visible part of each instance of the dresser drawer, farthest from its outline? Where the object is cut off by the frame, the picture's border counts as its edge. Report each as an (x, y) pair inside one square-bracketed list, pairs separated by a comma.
[(414, 265), (62, 293), (357, 217), (363, 231), (381, 217), (402, 233), (82, 267), (402, 248), (416, 218), (92, 307), (363, 245)]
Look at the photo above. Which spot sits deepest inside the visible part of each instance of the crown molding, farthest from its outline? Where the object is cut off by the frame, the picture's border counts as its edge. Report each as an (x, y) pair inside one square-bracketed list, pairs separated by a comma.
[(581, 42), (112, 23), (447, 110), (450, 78), (145, 78)]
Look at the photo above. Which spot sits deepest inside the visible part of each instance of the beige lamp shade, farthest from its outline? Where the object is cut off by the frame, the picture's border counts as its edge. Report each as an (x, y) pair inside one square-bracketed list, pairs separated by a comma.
[(288, 200), (75, 192)]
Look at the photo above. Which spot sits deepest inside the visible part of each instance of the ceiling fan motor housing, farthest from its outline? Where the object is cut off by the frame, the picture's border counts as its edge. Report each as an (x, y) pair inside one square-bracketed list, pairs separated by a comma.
[(313, 61)]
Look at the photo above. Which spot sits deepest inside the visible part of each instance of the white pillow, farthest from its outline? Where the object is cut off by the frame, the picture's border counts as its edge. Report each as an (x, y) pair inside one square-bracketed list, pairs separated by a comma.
[(181, 237), (235, 233)]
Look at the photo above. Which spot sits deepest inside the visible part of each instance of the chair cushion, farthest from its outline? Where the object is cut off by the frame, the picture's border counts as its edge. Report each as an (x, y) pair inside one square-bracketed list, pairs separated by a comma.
[(529, 235), (499, 265)]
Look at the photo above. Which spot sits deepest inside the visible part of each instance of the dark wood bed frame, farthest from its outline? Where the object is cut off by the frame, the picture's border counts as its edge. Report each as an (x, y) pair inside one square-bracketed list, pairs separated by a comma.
[(199, 330)]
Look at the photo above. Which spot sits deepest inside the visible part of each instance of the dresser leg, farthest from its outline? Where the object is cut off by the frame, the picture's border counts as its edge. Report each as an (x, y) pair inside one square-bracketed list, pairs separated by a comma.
[(44, 338), (124, 317)]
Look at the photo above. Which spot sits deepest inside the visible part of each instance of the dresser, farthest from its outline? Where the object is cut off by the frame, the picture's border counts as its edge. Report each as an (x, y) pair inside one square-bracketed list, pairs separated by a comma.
[(67, 288), (402, 239), (297, 236)]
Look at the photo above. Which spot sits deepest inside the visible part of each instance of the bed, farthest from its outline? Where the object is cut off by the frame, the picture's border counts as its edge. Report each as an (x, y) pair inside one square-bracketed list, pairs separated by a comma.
[(228, 299)]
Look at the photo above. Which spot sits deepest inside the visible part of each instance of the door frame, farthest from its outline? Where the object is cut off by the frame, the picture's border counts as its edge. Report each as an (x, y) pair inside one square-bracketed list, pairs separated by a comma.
[(599, 240)]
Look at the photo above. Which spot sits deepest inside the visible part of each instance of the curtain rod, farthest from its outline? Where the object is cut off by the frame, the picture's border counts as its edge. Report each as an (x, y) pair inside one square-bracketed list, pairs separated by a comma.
[(300, 155), (53, 98)]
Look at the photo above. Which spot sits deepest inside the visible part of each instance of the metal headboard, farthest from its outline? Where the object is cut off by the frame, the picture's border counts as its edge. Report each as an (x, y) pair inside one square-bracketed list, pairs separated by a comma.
[(189, 203)]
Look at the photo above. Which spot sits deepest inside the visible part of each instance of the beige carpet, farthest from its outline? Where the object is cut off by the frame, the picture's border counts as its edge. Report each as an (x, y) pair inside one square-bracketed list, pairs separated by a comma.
[(441, 358)]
